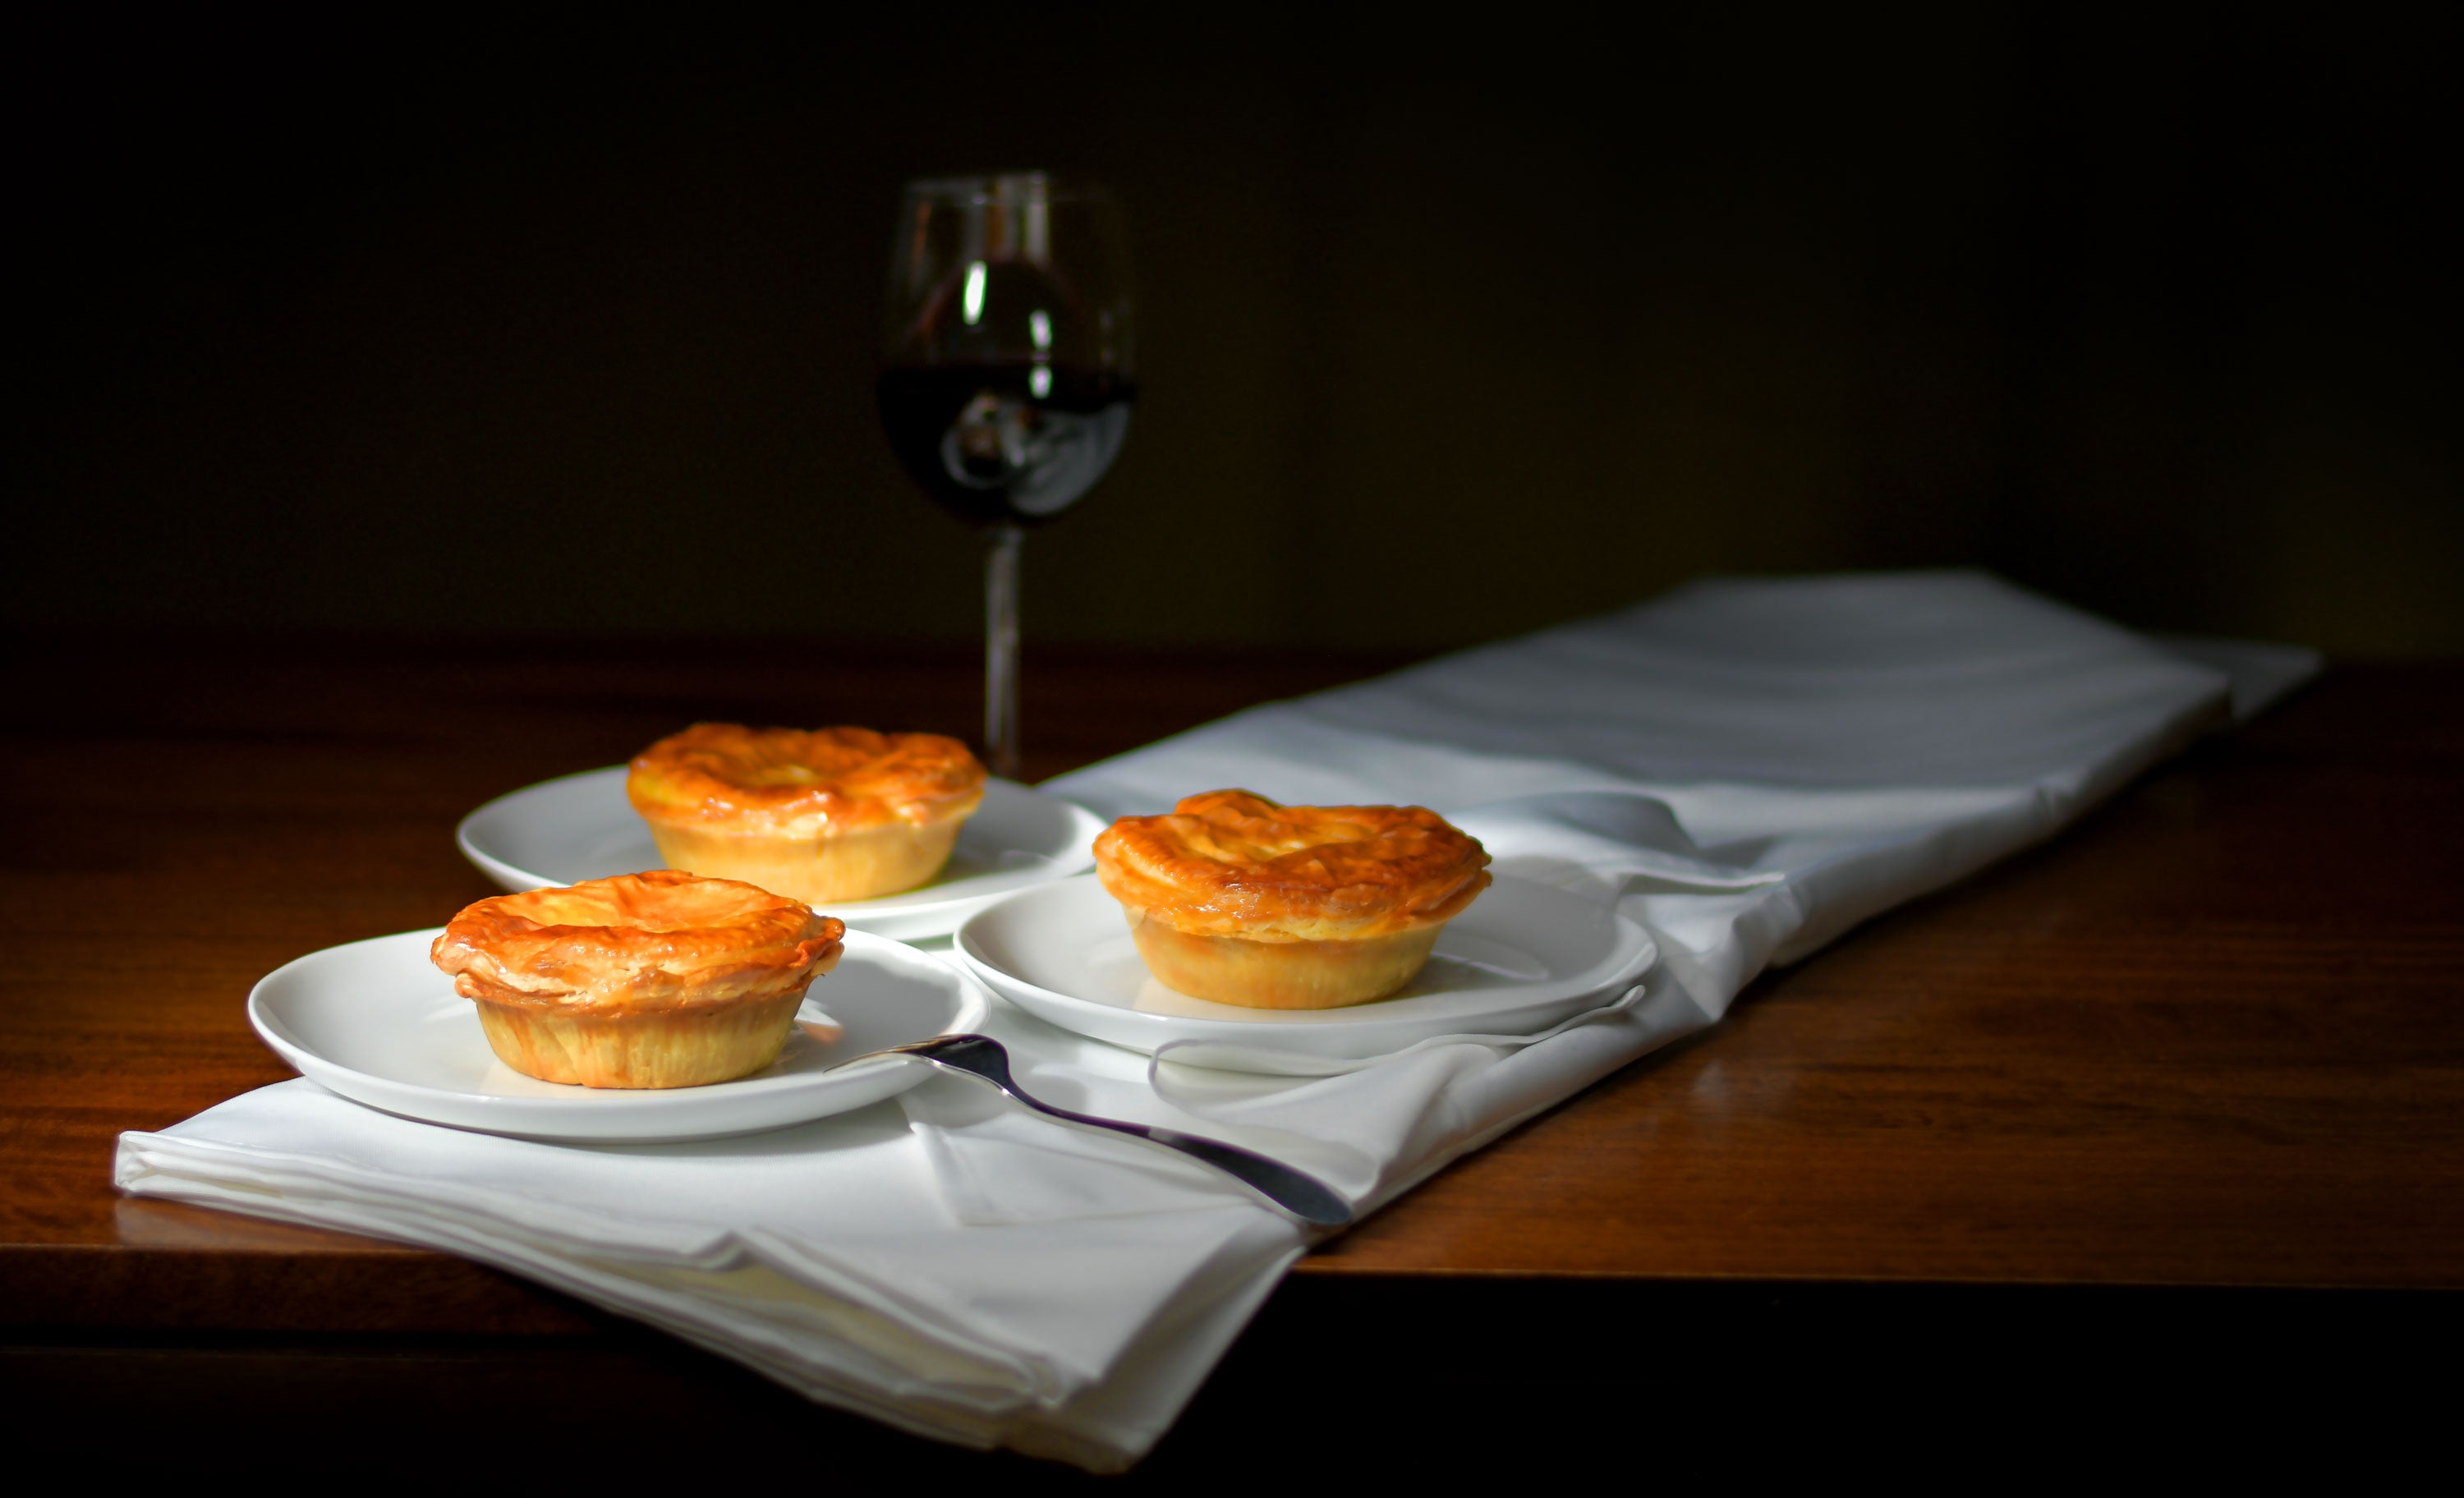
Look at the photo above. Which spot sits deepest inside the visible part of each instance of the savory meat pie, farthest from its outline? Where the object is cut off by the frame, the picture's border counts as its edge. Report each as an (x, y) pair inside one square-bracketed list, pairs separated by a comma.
[(652, 979), (1235, 899), (826, 815)]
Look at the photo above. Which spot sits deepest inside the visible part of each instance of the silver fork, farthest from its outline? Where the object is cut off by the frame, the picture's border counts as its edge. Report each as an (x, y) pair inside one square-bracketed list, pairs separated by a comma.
[(1304, 1196)]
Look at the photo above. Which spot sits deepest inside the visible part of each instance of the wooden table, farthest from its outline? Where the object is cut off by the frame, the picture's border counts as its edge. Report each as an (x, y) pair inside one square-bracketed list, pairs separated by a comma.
[(2159, 1128)]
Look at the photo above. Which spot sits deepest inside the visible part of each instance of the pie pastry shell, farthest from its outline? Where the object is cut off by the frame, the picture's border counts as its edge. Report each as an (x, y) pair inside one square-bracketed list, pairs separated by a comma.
[(1235, 899), (657, 979), (822, 816)]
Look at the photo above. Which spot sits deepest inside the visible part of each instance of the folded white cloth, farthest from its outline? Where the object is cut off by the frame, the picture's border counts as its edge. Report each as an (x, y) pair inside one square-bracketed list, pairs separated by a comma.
[(1748, 768)]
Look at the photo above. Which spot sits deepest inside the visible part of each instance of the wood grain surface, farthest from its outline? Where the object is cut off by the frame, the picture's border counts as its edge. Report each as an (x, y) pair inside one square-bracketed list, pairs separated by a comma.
[(2212, 1038)]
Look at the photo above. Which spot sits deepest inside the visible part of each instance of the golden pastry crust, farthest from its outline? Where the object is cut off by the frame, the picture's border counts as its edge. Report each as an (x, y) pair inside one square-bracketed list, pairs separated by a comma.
[(637, 943), (653, 980), (791, 782), (1231, 862), (1282, 974)]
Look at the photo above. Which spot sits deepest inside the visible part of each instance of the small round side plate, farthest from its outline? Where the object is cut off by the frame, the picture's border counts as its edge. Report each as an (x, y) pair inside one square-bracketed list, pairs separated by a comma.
[(376, 1023), (581, 826), (1524, 957)]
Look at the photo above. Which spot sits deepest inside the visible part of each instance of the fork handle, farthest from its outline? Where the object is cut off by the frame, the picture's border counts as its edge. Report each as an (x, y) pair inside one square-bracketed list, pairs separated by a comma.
[(986, 1060), (1304, 1196)]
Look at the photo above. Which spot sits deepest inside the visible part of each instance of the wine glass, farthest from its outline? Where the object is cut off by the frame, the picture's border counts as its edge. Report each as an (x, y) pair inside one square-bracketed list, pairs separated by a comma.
[(1006, 381)]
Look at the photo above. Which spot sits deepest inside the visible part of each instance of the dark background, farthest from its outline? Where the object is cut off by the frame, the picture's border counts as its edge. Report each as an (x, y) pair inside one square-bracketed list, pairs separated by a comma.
[(402, 323)]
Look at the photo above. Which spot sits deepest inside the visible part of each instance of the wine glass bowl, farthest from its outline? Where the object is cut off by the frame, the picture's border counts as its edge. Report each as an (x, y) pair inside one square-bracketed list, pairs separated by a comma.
[(1006, 377), (1009, 267)]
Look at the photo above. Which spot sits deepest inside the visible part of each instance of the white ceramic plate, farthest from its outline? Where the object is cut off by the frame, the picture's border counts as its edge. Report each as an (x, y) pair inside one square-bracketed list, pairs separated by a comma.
[(376, 1023), (1524, 958), (579, 828)]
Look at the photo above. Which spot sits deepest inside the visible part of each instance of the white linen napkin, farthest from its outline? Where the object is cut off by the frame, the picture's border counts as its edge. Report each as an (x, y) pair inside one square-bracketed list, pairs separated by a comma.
[(1748, 768)]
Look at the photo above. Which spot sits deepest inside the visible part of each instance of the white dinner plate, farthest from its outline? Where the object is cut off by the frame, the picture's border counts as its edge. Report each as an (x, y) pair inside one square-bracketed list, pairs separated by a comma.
[(1523, 957), (376, 1023), (563, 831)]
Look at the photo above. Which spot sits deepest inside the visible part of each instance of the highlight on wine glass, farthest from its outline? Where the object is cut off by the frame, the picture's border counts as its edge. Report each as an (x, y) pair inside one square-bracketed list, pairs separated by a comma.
[(1007, 374)]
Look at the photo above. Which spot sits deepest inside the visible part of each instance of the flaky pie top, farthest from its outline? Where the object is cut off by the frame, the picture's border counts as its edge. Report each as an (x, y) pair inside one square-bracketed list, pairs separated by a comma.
[(1233, 863), (795, 783), (662, 940)]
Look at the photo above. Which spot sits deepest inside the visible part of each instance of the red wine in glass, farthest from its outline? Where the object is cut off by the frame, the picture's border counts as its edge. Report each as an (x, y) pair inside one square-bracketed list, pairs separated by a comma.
[(1005, 444)]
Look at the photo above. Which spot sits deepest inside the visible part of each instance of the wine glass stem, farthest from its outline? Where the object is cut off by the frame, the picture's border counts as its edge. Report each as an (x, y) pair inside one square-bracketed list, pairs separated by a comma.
[(1000, 651)]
